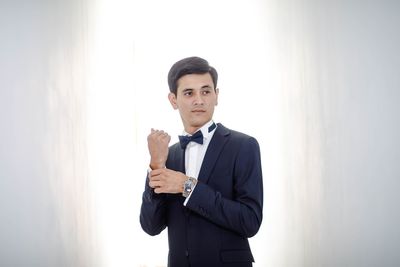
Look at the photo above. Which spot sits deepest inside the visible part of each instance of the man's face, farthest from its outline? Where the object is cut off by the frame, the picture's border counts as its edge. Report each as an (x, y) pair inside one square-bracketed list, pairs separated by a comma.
[(195, 99)]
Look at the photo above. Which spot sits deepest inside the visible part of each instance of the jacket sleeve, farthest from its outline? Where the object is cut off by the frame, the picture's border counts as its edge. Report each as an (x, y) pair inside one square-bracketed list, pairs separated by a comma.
[(152, 212), (241, 213)]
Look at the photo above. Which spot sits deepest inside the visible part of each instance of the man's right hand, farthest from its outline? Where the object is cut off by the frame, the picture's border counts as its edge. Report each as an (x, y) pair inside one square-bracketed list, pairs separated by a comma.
[(157, 142)]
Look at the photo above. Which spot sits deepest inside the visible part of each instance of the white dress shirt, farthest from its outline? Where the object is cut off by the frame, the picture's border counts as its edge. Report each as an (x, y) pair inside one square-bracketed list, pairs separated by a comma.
[(194, 154)]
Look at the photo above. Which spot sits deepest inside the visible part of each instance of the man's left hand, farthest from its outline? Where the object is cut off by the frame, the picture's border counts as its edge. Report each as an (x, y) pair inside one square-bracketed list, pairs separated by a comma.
[(166, 181)]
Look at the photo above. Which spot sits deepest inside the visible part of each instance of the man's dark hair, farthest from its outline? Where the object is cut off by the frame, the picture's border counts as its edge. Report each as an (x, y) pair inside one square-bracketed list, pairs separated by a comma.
[(190, 65)]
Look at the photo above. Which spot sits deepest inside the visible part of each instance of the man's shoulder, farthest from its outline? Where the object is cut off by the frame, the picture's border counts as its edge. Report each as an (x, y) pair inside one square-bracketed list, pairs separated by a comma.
[(237, 139), (234, 133)]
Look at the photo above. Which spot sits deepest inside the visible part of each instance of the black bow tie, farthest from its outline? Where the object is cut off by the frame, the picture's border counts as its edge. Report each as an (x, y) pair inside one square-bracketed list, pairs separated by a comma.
[(185, 139), (197, 137)]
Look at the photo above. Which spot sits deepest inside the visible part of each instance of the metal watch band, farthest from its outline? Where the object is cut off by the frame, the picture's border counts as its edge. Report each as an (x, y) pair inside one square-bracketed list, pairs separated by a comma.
[(188, 186)]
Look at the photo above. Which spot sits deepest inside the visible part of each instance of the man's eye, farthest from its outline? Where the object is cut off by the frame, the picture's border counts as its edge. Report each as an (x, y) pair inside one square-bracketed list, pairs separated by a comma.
[(187, 93), (206, 92)]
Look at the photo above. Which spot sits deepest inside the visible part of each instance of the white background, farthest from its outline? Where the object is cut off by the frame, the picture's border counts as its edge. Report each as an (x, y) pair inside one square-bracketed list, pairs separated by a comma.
[(82, 82)]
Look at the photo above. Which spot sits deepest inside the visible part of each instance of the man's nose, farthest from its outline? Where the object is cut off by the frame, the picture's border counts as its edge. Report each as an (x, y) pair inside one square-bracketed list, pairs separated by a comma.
[(198, 100)]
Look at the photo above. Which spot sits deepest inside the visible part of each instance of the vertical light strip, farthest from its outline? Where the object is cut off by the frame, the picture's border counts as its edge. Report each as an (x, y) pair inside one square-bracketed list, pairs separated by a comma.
[(111, 105), (66, 81), (134, 46)]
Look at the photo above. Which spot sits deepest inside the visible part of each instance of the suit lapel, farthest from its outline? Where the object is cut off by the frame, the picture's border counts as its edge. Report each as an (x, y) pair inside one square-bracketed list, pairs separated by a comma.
[(181, 159), (214, 149), (177, 162)]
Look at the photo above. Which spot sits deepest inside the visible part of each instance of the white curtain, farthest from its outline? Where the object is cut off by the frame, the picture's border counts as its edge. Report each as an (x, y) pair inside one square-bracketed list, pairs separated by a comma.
[(45, 197), (82, 83)]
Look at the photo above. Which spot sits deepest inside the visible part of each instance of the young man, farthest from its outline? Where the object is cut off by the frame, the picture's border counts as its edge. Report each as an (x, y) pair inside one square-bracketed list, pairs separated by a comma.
[(208, 188)]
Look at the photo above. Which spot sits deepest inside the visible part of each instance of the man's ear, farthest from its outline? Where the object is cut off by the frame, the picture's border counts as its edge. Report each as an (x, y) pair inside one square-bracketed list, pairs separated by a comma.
[(217, 93), (172, 100)]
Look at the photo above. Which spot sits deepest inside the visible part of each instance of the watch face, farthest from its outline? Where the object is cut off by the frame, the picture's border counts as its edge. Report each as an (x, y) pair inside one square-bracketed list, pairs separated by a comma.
[(187, 187)]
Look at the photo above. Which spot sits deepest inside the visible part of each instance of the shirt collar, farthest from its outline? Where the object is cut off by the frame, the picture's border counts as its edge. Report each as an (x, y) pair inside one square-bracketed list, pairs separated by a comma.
[(204, 129)]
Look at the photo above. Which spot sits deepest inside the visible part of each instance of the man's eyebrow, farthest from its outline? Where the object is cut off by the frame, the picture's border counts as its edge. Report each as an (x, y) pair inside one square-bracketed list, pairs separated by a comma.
[(204, 87)]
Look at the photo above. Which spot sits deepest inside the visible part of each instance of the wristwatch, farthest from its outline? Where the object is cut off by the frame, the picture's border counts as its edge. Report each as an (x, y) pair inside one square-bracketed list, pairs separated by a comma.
[(188, 186)]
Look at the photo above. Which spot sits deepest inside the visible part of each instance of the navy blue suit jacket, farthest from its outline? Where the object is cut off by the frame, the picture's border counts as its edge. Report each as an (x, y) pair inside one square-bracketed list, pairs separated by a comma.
[(223, 211)]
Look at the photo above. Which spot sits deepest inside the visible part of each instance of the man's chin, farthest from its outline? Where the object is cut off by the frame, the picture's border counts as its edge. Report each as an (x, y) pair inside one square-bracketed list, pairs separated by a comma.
[(199, 123)]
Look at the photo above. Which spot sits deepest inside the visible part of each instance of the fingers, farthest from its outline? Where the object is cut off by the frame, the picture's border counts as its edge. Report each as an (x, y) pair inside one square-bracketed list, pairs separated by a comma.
[(156, 132), (156, 172), (155, 175), (159, 136), (157, 184), (166, 181), (157, 180)]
